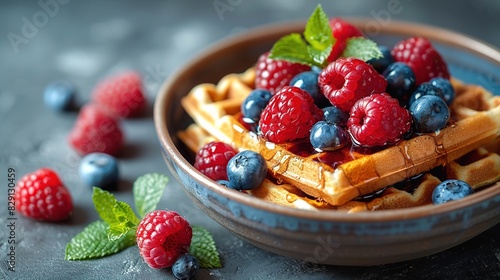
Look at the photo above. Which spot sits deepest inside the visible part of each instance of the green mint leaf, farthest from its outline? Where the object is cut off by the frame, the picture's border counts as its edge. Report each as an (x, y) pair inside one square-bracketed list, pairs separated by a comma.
[(313, 48), (148, 190), (292, 48), (203, 248), (104, 202), (93, 242), (318, 32), (125, 220), (362, 48)]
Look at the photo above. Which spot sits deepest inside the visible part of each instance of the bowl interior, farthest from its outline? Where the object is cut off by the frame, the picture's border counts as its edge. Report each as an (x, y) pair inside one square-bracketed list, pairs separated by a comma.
[(238, 53)]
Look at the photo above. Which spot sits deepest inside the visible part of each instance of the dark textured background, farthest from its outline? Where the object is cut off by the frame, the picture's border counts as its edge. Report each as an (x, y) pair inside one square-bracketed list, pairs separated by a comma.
[(85, 40)]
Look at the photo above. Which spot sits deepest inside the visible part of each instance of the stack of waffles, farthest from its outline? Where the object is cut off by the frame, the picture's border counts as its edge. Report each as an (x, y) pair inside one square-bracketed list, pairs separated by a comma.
[(400, 176)]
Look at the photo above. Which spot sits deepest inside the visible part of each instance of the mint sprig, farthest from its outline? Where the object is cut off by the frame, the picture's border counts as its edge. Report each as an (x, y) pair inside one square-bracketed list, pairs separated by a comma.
[(310, 48), (315, 44), (117, 227)]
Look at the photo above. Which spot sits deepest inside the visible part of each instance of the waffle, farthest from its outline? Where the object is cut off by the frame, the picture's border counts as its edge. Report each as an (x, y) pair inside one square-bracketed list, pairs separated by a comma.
[(306, 181)]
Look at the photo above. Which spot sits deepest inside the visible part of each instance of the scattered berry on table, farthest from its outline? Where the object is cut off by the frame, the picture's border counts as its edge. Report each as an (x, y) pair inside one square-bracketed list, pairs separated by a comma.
[(378, 120), (447, 90), (422, 57), (122, 94), (328, 137), (96, 130), (400, 81), (99, 170), (336, 116), (185, 267), (60, 95), (451, 190), (254, 103), (42, 196), (430, 114), (308, 81), (274, 74), (380, 64), (289, 115), (246, 170), (212, 159), (341, 30), (162, 236), (425, 89), (347, 80)]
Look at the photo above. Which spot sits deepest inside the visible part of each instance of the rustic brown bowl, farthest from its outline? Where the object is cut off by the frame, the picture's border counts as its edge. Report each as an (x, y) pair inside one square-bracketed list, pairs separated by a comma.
[(327, 237)]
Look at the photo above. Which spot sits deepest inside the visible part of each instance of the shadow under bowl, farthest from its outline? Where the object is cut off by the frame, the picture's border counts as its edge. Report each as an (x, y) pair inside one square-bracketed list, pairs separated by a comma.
[(326, 237)]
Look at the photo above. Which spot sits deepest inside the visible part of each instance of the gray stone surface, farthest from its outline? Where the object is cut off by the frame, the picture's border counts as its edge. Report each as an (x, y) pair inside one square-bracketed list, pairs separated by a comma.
[(85, 40)]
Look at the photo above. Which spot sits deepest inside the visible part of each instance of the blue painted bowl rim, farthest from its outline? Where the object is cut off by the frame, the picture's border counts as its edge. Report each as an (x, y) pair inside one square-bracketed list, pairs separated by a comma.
[(396, 28)]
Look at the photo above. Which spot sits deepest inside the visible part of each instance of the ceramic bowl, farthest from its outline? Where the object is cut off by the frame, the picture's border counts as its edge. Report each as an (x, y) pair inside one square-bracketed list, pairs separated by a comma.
[(327, 237)]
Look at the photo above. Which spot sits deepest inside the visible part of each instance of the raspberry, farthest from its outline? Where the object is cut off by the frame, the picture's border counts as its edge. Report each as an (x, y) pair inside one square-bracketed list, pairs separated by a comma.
[(347, 80), (212, 159), (162, 236), (378, 120), (41, 195), (122, 94), (274, 74), (96, 130), (422, 58), (289, 116), (341, 31)]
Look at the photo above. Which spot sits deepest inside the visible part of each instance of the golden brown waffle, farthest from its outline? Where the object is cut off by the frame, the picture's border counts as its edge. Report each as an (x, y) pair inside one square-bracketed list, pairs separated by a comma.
[(213, 107)]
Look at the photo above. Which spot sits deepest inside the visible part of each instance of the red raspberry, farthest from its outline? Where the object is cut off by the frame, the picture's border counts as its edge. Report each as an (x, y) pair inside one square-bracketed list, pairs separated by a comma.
[(274, 74), (96, 130), (347, 80), (289, 115), (419, 54), (41, 195), (378, 120), (162, 236), (122, 94), (341, 31), (212, 159)]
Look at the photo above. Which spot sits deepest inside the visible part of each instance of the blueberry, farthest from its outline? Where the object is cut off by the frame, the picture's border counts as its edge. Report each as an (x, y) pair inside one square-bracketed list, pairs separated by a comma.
[(336, 116), (308, 81), (447, 91), (450, 190), (59, 95), (327, 137), (252, 106), (246, 170), (100, 170), (380, 64), (425, 89), (400, 80), (430, 114), (185, 267)]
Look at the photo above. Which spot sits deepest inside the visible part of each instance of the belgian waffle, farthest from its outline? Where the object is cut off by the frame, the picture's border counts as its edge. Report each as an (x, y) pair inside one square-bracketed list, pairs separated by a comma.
[(304, 180)]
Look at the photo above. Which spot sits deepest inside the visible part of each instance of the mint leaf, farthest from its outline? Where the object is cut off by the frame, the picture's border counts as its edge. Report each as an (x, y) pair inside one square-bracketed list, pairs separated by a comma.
[(148, 190), (203, 248), (313, 48), (93, 242), (362, 48), (104, 202), (117, 214), (318, 32), (292, 48), (125, 220)]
